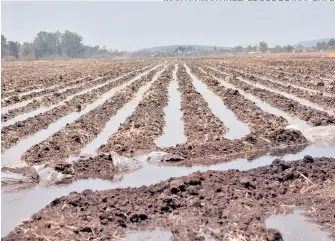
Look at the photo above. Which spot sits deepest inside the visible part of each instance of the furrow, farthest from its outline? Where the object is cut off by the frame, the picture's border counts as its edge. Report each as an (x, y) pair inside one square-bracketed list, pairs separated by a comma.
[(47, 103), (81, 129), (11, 135), (206, 140), (173, 131), (235, 128), (321, 98), (142, 127), (261, 104), (294, 108)]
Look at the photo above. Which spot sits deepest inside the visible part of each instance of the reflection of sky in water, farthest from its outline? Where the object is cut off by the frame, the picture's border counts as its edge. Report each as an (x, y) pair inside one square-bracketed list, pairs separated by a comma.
[(295, 227), (22, 204)]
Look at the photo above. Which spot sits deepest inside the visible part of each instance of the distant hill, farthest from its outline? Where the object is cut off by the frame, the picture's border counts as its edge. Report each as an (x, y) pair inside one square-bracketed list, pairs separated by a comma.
[(171, 48), (311, 43)]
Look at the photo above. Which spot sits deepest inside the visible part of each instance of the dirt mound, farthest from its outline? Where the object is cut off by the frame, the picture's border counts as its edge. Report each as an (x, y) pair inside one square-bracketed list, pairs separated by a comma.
[(223, 205)]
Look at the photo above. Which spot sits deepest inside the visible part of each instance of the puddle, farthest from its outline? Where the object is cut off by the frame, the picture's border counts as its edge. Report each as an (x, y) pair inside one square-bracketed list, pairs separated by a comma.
[(41, 110), (148, 235), (21, 204), (174, 125), (236, 128), (263, 105), (115, 121), (296, 227), (13, 155)]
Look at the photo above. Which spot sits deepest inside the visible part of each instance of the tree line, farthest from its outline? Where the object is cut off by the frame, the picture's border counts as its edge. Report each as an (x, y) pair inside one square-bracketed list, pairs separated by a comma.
[(54, 44), (263, 47)]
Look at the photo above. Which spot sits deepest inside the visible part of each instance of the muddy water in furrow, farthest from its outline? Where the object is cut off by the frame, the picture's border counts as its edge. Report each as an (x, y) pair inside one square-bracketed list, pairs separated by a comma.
[(236, 128), (295, 227), (13, 155), (290, 96), (114, 123), (174, 125), (52, 88), (263, 105), (43, 109), (19, 204), (295, 86)]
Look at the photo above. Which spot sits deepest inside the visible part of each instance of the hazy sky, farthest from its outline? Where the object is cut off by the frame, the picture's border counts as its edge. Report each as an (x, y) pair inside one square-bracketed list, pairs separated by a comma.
[(134, 25)]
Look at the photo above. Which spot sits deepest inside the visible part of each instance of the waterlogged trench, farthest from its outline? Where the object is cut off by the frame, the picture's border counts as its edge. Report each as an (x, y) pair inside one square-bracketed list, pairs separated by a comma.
[(13, 155), (20, 204), (114, 123), (41, 110), (236, 128), (263, 105), (174, 125), (289, 96), (295, 227)]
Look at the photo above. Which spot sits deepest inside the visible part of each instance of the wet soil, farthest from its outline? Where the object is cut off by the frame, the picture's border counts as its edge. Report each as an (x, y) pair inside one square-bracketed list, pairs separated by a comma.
[(139, 131), (326, 101), (313, 73), (57, 97), (205, 133), (20, 77), (245, 110), (310, 115), (222, 205), (76, 135), (13, 133), (100, 166), (201, 125)]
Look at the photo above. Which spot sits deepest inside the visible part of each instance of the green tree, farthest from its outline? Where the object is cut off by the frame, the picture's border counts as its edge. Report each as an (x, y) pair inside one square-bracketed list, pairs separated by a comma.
[(331, 43), (277, 49), (14, 49), (263, 46), (238, 49), (71, 44), (26, 49), (4, 46), (321, 45), (47, 44)]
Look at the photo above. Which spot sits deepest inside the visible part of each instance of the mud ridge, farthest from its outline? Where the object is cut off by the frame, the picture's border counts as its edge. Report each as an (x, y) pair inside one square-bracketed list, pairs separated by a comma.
[(212, 203), (138, 133), (76, 135)]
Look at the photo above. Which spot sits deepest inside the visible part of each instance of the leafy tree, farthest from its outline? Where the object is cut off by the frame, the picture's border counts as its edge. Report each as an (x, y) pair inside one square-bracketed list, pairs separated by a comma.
[(263, 46), (4, 46), (47, 44), (321, 45), (26, 49), (277, 49), (288, 48), (238, 49), (331, 43), (14, 49), (71, 44)]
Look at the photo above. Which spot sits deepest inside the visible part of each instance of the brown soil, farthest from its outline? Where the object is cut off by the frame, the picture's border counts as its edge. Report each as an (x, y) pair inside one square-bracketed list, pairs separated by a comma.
[(76, 135), (312, 116), (19, 77), (138, 133), (220, 204), (205, 139), (13, 133), (56, 97), (100, 166)]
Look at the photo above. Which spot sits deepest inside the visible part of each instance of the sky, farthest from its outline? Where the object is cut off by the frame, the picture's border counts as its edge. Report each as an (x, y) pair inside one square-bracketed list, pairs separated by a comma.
[(135, 25)]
